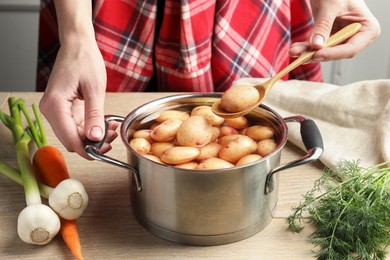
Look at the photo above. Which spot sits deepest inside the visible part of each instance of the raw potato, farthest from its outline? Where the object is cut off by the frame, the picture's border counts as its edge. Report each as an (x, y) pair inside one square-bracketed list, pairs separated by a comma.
[(144, 133), (206, 112), (239, 98), (214, 163), (188, 166), (216, 134), (238, 122), (195, 131), (227, 130), (250, 158), (266, 147), (172, 114), (224, 140), (209, 151), (153, 126), (237, 148), (166, 131), (158, 148), (260, 132), (140, 145), (180, 155), (153, 158)]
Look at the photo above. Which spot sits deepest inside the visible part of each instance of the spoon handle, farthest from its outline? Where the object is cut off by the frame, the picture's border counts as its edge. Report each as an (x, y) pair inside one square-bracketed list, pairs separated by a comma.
[(342, 35), (333, 40)]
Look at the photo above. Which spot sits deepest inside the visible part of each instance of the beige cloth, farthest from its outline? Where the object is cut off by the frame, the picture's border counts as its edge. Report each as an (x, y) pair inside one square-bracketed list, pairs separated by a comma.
[(354, 120)]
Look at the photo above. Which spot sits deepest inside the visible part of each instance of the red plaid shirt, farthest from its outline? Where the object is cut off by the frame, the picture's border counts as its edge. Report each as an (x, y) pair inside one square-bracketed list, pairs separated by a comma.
[(202, 45)]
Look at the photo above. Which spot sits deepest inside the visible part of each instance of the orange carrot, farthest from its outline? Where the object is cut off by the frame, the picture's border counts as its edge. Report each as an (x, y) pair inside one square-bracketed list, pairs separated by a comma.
[(71, 237), (50, 169), (50, 165)]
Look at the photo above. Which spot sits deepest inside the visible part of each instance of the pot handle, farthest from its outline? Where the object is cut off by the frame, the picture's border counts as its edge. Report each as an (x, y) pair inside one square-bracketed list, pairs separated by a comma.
[(311, 138), (93, 150)]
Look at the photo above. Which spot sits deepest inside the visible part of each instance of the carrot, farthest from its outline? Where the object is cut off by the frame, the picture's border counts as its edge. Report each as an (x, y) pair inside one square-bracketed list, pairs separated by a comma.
[(50, 167), (71, 237)]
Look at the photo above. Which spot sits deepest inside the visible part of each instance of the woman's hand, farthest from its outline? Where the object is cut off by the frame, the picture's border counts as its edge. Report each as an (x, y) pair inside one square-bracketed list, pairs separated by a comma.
[(329, 17), (74, 98)]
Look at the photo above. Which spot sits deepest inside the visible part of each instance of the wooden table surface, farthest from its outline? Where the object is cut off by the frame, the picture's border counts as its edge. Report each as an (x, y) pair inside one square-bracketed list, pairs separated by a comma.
[(108, 229)]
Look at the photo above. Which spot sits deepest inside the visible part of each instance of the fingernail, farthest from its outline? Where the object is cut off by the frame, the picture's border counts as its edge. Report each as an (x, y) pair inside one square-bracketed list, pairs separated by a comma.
[(96, 132), (318, 40), (319, 58)]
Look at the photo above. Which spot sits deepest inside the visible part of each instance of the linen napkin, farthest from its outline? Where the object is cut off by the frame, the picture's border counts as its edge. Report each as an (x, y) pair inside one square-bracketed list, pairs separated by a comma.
[(354, 120)]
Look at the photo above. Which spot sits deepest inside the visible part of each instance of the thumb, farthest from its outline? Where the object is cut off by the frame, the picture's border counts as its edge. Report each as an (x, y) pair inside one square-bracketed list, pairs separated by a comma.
[(94, 117), (323, 23)]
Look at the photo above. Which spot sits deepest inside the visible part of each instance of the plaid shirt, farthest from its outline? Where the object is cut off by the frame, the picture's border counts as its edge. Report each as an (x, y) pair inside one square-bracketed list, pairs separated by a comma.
[(201, 46)]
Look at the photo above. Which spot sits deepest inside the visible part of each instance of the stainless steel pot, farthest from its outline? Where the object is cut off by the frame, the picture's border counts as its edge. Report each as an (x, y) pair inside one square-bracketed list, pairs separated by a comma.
[(205, 207)]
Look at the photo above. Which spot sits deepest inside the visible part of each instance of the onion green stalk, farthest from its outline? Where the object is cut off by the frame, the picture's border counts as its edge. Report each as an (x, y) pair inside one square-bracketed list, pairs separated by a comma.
[(14, 175), (37, 223)]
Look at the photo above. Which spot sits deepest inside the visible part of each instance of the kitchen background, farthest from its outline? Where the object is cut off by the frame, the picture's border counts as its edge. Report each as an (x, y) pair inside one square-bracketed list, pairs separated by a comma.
[(18, 48)]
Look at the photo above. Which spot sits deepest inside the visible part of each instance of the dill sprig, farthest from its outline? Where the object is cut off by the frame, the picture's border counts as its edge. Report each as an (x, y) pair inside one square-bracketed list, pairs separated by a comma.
[(350, 208)]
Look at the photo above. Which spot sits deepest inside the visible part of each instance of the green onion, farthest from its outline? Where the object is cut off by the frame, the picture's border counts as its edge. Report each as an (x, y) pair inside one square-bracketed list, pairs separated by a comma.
[(37, 223), (69, 198)]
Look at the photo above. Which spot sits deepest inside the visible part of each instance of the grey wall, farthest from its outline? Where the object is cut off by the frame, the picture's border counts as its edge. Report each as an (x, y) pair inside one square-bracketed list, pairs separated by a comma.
[(18, 44)]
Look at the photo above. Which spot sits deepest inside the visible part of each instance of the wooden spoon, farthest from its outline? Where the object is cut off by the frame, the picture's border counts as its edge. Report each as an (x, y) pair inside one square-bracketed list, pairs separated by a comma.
[(266, 86)]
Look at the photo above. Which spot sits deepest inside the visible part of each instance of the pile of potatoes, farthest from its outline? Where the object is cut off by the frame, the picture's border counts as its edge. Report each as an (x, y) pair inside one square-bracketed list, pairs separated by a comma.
[(201, 140)]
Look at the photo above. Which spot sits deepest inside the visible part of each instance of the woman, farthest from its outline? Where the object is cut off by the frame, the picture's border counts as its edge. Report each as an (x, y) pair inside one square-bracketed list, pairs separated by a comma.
[(89, 48)]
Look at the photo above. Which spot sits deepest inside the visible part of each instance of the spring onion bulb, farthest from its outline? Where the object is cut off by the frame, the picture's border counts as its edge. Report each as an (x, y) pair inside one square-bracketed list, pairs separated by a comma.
[(69, 199), (38, 224)]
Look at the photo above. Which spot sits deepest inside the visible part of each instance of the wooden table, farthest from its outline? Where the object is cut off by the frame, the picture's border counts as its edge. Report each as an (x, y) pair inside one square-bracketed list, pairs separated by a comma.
[(108, 229)]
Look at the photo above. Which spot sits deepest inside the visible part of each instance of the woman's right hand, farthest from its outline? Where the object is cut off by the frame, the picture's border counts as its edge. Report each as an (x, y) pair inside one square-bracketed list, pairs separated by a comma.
[(74, 98)]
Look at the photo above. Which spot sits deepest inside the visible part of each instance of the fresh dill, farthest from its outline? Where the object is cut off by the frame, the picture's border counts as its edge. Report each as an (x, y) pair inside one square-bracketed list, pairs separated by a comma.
[(350, 208)]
